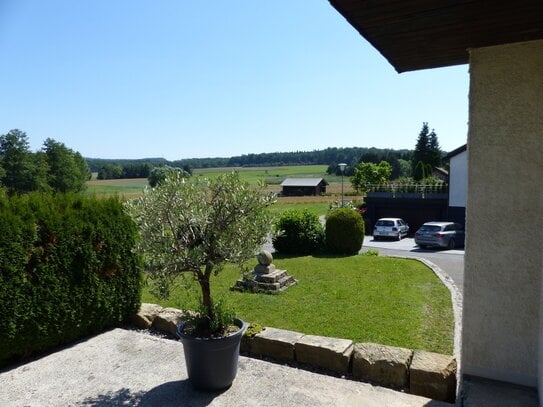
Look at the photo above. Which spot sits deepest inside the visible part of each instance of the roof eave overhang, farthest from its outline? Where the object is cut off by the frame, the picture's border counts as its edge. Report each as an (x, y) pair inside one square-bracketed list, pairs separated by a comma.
[(422, 34)]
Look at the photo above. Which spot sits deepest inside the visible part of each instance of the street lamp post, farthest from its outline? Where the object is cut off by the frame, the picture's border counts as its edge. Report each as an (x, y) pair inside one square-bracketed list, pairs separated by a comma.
[(342, 169)]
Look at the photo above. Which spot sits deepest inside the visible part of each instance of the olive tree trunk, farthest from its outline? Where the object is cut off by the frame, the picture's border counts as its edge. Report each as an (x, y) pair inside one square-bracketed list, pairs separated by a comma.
[(207, 301)]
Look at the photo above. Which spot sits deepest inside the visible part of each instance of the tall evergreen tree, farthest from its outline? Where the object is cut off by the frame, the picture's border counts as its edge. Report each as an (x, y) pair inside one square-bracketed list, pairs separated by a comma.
[(434, 152), (427, 153)]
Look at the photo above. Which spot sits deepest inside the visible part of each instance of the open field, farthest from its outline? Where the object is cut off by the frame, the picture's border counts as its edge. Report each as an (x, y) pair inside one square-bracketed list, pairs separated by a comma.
[(272, 176), (390, 301), (125, 188)]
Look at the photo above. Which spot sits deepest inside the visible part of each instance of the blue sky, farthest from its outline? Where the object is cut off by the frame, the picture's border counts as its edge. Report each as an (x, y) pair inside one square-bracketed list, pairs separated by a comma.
[(191, 78)]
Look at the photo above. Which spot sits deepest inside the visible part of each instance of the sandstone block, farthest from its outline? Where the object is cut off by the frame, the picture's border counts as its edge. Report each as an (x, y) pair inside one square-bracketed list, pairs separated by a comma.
[(246, 344), (275, 343), (263, 269), (328, 353), (167, 320), (433, 375), (272, 277), (146, 315), (383, 365), (140, 321)]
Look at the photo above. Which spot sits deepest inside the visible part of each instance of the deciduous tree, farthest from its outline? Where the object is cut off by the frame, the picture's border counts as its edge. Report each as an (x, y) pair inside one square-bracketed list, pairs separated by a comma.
[(366, 174), (22, 173), (159, 174), (68, 171), (110, 171)]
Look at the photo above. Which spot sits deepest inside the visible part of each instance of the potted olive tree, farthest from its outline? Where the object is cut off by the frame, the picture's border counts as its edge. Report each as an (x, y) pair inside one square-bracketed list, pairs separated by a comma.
[(192, 229)]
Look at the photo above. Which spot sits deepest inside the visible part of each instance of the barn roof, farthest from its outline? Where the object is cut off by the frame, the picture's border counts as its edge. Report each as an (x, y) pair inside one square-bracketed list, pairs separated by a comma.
[(420, 34), (303, 182)]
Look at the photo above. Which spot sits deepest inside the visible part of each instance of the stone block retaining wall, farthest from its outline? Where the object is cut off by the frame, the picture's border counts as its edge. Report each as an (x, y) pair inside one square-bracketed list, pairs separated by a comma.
[(419, 372)]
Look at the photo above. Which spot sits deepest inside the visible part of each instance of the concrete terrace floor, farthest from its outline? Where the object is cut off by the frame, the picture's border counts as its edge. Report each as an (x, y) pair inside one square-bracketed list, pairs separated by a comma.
[(124, 367), (130, 368)]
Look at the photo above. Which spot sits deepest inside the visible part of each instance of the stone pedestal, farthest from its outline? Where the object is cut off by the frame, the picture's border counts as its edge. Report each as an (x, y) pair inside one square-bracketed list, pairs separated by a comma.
[(266, 278), (271, 283)]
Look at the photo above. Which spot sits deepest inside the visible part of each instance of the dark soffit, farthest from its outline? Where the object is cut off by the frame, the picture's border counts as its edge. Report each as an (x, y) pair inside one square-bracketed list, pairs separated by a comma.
[(420, 34)]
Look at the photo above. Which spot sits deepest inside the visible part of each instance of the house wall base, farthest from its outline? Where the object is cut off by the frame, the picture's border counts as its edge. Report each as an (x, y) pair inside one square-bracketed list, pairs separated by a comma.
[(503, 257)]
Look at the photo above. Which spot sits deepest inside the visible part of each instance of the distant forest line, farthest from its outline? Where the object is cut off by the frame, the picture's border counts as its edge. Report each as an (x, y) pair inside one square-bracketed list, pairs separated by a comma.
[(329, 156)]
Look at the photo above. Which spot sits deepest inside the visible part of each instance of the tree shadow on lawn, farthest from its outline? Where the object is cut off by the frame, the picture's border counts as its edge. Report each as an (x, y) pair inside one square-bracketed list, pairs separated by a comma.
[(176, 393)]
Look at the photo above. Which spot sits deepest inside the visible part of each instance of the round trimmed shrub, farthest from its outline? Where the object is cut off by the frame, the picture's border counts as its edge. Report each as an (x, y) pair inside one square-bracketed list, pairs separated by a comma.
[(298, 232), (344, 231)]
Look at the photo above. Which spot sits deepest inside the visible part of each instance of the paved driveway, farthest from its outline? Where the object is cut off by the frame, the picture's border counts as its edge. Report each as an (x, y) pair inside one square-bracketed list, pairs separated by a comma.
[(450, 261)]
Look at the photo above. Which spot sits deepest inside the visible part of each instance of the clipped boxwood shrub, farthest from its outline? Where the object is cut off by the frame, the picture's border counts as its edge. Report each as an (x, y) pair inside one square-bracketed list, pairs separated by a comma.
[(344, 231), (298, 232), (67, 269)]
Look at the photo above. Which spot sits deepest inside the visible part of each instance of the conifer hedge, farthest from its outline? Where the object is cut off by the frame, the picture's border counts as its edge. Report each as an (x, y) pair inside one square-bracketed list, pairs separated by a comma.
[(67, 269)]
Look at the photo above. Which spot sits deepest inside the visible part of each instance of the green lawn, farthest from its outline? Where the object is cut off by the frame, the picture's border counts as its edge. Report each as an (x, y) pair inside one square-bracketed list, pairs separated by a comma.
[(318, 208), (390, 301)]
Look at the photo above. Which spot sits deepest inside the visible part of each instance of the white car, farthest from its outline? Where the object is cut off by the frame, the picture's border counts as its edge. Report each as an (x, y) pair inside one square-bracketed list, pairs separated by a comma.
[(390, 228)]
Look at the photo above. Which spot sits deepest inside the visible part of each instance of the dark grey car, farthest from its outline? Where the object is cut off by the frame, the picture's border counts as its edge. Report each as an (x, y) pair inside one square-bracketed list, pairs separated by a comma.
[(440, 234)]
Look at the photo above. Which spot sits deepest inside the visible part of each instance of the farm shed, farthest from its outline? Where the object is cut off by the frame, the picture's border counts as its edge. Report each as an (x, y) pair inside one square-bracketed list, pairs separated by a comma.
[(303, 186)]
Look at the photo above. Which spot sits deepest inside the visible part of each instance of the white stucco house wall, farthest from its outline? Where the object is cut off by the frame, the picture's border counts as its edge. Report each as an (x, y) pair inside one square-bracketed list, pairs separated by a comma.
[(502, 323), (458, 184)]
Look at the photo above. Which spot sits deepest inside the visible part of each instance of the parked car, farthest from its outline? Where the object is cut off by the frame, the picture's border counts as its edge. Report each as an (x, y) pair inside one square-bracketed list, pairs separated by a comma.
[(440, 234), (391, 228)]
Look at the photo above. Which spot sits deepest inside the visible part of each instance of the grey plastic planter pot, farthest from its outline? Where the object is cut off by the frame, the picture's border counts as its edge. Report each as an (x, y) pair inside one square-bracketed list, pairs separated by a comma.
[(212, 363)]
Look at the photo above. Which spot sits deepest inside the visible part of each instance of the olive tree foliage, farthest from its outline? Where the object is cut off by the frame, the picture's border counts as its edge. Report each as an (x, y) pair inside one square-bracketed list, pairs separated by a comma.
[(192, 230), (366, 174)]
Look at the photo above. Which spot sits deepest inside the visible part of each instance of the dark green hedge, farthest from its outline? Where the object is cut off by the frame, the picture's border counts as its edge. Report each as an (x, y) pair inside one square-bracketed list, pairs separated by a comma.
[(298, 232), (344, 231), (67, 269)]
